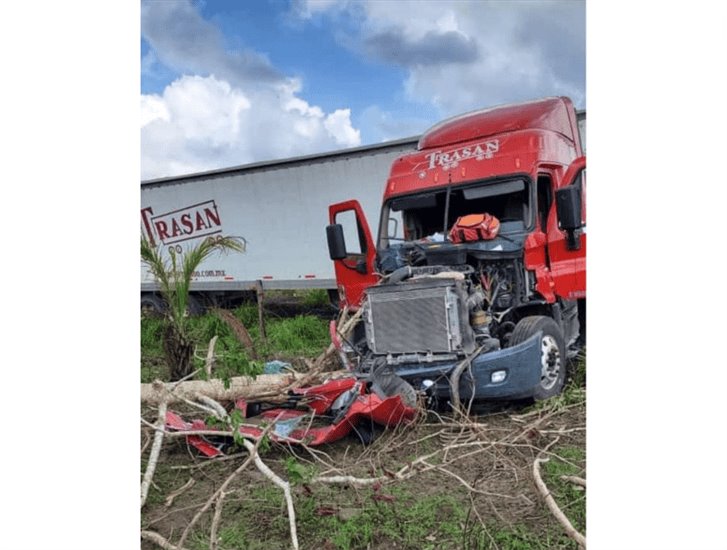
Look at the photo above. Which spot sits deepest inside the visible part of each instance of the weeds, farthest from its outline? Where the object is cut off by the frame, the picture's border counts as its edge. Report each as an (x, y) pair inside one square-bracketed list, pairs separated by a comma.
[(304, 335), (570, 497), (316, 298)]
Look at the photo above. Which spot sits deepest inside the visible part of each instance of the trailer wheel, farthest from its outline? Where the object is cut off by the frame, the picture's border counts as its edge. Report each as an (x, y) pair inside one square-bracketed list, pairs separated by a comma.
[(196, 305), (552, 359), (152, 305)]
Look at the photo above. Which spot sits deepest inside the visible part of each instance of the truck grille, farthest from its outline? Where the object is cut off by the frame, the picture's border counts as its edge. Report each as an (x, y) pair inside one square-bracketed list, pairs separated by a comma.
[(413, 317)]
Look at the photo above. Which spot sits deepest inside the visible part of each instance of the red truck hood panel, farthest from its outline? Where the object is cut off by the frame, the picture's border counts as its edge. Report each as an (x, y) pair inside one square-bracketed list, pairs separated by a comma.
[(314, 426)]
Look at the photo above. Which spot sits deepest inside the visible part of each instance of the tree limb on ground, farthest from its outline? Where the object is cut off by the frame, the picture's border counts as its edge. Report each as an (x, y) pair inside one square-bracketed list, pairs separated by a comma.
[(553, 506), (210, 360), (575, 480), (270, 387), (155, 450), (160, 541)]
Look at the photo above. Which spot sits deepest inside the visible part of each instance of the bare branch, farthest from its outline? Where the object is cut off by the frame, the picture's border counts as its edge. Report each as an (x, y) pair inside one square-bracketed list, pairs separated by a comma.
[(210, 360), (154, 454), (575, 480), (284, 485), (159, 540), (216, 520), (214, 496), (553, 506), (175, 494)]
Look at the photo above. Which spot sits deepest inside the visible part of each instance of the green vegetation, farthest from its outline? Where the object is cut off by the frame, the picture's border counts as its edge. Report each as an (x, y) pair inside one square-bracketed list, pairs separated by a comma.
[(174, 275), (337, 518), (287, 339), (316, 298), (570, 497), (413, 514)]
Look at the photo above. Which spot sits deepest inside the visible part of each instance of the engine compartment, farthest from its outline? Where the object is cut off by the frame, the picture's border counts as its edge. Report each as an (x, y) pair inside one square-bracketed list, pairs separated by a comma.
[(426, 311)]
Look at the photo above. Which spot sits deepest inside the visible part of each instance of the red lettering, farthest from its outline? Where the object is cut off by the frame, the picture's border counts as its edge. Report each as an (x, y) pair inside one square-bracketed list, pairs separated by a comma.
[(200, 222), (146, 213), (161, 228), (186, 220), (212, 216), (176, 230)]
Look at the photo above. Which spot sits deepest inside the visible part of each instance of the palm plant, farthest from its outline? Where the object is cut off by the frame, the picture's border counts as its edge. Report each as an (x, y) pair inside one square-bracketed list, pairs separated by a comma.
[(174, 275)]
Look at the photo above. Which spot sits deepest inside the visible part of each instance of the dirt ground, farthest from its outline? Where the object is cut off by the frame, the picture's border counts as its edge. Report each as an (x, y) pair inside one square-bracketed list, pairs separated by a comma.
[(474, 489)]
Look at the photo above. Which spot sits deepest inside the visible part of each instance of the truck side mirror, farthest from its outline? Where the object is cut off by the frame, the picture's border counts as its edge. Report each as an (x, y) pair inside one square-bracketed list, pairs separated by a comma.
[(336, 242), (568, 206)]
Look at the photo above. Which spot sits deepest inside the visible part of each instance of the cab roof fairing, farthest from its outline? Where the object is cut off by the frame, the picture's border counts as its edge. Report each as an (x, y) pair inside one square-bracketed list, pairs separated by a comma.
[(556, 114), (517, 152)]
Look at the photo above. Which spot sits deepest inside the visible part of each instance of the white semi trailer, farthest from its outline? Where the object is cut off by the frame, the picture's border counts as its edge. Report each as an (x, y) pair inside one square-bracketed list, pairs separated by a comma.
[(279, 209)]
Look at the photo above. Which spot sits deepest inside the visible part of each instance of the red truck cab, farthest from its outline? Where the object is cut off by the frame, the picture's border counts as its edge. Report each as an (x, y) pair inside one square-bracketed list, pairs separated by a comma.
[(480, 254)]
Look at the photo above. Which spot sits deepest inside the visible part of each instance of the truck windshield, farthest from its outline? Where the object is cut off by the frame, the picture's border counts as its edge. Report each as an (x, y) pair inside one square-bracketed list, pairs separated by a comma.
[(422, 216)]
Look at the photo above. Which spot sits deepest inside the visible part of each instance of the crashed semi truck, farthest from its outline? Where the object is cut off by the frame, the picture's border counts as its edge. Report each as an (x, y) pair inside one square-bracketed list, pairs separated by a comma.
[(277, 207), (477, 275)]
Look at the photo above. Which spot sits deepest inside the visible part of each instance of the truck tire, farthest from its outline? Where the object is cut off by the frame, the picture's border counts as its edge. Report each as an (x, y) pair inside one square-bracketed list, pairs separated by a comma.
[(152, 305), (553, 358), (196, 305)]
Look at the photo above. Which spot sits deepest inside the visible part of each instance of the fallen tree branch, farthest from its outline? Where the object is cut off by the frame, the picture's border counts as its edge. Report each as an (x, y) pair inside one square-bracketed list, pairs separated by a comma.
[(154, 453), (553, 506), (210, 360), (219, 410), (469, 487), (159, 540), (345, 324), (208, 461), (272, 388), (214, 496), (575, 480), (454, 383), (147, 440), (284, 485), (239, 387), (262, 467), (175, 494), (216, 521)]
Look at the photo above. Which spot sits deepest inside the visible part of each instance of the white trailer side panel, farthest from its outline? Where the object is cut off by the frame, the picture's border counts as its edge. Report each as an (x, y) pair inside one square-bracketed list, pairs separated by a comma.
[(280, 209)]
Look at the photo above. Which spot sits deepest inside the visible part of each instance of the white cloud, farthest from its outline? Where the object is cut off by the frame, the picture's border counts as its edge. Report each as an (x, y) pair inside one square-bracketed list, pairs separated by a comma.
[(153, 108), (231, 108), (338, 125), (203, 123), (465, 55), (306, 9)]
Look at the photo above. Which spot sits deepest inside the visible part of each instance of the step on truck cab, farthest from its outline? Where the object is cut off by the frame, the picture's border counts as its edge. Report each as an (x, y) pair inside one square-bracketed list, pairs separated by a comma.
[(479, 264)]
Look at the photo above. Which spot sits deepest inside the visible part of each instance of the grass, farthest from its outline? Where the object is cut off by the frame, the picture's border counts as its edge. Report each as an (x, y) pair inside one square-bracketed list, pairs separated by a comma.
[(570, 497), (345, 520), (350, 519), (287, 338)]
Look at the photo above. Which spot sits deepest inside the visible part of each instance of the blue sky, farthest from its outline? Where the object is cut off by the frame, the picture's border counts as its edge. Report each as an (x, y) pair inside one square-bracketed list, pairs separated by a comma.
[(225, 83)]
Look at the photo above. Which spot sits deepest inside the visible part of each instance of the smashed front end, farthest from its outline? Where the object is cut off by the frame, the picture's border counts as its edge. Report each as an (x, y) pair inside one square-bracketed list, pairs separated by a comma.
[(433, 319)]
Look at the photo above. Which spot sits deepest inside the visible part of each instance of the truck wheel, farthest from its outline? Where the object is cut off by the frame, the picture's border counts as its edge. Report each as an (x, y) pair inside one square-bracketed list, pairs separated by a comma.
[(195, 306), (552, 359), (152, 305)]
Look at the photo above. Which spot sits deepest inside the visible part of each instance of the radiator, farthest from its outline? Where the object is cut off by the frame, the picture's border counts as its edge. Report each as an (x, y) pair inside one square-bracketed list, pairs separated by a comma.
[(413, 317)]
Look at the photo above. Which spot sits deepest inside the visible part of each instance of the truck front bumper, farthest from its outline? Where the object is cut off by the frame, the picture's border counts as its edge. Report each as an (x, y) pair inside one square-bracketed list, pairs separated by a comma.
[(510, 373)]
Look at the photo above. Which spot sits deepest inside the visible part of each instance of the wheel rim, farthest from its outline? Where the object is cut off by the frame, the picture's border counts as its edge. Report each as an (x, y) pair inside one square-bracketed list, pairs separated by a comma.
[(550, 361)]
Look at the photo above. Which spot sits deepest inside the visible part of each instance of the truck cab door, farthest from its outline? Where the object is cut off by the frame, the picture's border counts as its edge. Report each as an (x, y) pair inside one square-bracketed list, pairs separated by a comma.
[(352, 250), (567, 236)]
